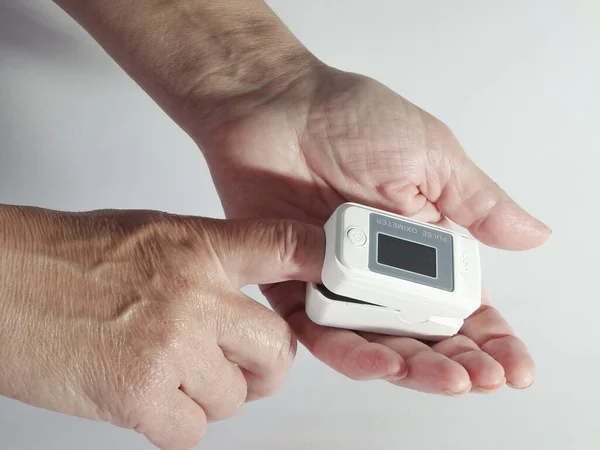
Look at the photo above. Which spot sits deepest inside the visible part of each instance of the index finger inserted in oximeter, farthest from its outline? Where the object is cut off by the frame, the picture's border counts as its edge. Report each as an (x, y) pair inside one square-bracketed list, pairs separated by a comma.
[(389, 274)]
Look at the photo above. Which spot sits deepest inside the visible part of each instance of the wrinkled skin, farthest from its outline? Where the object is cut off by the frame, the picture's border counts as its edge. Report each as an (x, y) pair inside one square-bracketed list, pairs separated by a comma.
[(136, 317), (333, 137)]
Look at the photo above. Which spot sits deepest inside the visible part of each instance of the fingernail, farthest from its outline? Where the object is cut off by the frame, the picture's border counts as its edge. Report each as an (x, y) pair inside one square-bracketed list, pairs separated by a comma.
[(400, 375), (458, 393), (488, 389), (544, 225), (521, 388)]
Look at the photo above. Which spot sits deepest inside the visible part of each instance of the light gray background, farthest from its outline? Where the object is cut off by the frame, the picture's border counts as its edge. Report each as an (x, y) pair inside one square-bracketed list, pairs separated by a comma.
[(516, 80)]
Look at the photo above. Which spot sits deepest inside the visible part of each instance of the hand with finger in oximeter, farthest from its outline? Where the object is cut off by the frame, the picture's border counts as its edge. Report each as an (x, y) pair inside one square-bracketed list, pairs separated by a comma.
[(137, 318)]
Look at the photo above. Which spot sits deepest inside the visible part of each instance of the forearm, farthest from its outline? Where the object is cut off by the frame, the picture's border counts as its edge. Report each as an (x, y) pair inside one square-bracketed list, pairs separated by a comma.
[(203, 61)]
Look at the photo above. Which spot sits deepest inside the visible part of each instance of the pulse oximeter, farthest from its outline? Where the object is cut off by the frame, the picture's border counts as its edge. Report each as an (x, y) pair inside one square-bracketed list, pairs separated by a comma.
[(389, 274)]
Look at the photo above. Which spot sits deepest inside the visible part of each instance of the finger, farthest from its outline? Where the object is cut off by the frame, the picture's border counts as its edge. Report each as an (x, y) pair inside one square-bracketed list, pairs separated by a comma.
[(485, 372), (429, 213), (443, 222), (342, 350), (257, 340), (178, 423), (428, 370), (407, 200), (217, 385), (488, 329), (472, 200), (268, 251)]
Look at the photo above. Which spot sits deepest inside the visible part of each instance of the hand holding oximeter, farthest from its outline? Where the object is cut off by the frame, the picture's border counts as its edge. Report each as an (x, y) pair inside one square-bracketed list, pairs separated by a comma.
[(389, 274)]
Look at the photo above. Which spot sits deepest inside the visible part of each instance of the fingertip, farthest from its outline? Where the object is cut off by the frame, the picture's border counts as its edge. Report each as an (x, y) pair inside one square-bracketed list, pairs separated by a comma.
[(509, 227), (521, 386), (518, 364), (432, 372), (370, 361), (473, 200), (484, 371), (521, 377), (488, 389), (459, 391)]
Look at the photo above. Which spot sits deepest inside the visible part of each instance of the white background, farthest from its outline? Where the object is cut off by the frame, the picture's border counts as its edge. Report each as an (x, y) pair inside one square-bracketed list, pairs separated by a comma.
[(519, 84)]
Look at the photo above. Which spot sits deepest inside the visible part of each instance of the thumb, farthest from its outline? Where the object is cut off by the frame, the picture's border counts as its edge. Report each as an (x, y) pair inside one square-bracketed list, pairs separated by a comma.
[(270, 251), (473, 200)]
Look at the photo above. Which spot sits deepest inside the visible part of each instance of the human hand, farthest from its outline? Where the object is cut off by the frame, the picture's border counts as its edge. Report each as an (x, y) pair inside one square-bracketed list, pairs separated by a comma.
[(136, 317), (334, 137), (286, 136)]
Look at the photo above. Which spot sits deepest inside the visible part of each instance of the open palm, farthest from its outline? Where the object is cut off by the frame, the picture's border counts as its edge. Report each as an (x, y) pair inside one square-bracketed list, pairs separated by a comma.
[(348, 138)]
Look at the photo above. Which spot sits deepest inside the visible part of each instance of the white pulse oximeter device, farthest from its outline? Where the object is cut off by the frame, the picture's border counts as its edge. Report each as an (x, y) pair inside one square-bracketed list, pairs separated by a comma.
[(388, 274)]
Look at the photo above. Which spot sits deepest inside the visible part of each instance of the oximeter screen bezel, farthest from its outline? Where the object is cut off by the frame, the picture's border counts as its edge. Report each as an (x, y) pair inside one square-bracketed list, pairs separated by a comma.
[(393, 227)]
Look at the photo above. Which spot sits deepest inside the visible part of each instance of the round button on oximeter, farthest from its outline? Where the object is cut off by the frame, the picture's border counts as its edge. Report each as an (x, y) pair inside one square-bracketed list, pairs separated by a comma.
[(389, 274)]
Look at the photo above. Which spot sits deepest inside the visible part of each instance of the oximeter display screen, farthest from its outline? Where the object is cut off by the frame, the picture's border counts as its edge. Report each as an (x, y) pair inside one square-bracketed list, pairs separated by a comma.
[(406, 255)]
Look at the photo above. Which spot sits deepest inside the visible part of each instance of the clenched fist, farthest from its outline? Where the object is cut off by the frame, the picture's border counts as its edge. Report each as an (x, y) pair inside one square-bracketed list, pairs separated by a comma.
[(136, 317)]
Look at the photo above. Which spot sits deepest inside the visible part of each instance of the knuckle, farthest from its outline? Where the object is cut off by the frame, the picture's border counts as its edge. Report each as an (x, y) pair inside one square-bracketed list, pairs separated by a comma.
[(238, 392), (142, 383), (264, 391), (277, 349), (283, 345), (149, 347), (264, 386), (148, 379), (233, 398), (290, 238), (158, 331), (268, 389), (169, 335)]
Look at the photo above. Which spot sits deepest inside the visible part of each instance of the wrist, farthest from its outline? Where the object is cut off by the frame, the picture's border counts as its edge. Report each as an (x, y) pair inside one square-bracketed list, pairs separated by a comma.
[(267, 67), (254, 61), (205, 62), (19, 233), (265, 80)]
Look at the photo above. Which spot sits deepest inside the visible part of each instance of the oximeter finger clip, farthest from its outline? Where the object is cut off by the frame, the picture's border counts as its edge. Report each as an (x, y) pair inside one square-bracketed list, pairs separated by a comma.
[(390, 274)]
